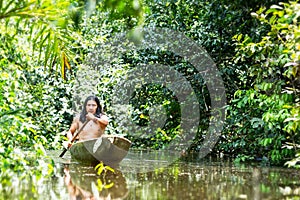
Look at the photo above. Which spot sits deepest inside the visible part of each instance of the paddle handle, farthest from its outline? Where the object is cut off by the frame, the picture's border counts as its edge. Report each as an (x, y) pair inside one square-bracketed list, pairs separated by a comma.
[(73, 139)]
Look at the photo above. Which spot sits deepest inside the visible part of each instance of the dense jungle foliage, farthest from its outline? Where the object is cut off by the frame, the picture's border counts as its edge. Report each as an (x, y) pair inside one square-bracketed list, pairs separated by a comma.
[(44, 74)]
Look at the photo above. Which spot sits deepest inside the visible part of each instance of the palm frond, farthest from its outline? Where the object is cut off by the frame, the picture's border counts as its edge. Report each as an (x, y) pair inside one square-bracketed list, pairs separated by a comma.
[(46, 26)]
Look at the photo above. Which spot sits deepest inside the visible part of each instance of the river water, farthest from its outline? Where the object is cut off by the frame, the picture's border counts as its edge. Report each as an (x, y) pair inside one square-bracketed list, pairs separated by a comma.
[(144, 175)]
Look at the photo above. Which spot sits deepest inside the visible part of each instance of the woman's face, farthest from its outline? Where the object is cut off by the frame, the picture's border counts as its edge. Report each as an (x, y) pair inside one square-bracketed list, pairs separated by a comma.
[(91, 107)]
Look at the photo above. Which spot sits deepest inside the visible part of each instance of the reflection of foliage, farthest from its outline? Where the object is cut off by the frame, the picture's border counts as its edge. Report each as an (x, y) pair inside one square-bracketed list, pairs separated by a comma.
[(102, 170), (215, 181)]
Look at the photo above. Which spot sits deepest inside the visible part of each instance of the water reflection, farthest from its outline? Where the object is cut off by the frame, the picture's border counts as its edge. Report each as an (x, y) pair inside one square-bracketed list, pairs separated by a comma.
[(208, 180), (150, 176), (82, 182)]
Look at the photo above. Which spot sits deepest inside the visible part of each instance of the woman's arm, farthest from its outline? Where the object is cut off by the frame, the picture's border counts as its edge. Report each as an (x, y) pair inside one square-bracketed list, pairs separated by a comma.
[(102, 121), (73, 128)]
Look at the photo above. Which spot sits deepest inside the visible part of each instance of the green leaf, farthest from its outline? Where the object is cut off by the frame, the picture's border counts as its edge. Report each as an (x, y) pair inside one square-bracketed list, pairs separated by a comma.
[(276, 7)]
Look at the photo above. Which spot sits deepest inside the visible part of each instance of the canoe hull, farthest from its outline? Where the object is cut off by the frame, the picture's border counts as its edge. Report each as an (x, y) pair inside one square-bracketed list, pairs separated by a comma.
[(110, 150)]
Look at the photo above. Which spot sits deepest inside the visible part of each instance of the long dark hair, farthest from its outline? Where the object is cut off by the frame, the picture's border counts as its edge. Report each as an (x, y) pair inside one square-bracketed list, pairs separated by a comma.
[(99, 110)]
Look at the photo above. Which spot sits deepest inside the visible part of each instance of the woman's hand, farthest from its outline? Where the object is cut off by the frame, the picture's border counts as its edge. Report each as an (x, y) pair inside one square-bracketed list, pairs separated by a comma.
[(67, 144), (90, 116), (69, 135)]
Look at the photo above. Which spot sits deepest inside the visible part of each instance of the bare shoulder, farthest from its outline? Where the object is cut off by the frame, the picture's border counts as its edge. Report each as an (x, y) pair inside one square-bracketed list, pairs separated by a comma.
[(104, 116), (104, 120), (76, 118)]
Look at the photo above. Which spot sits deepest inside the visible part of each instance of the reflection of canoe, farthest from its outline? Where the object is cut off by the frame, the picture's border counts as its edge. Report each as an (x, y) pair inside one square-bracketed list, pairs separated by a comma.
[(111, 150)]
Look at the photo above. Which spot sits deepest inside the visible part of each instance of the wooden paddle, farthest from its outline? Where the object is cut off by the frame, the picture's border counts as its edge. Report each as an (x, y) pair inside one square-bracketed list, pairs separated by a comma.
[(73, 139)]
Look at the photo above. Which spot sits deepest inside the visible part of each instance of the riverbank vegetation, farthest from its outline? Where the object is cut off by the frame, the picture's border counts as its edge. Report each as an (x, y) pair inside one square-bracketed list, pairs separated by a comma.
[(254, 44)]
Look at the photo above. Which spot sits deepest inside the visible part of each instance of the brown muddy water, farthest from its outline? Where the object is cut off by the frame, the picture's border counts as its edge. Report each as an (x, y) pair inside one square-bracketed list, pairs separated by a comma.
[(156, 175)]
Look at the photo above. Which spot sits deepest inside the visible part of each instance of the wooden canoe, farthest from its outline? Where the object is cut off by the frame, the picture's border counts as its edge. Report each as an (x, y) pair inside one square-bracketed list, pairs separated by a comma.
[(111, 150)]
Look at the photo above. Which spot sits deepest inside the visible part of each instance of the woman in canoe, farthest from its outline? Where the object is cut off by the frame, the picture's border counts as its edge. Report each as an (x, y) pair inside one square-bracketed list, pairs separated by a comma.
[(97, 121)]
